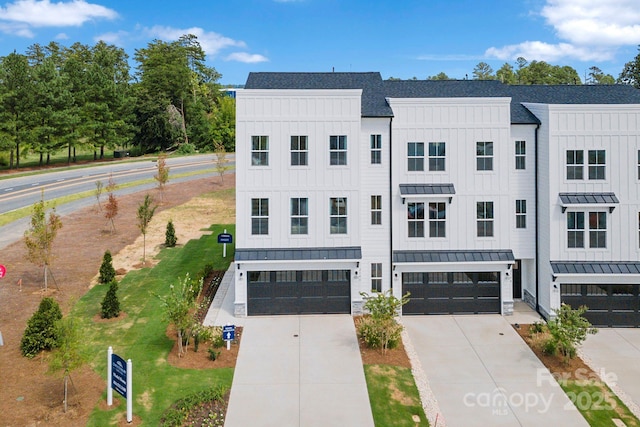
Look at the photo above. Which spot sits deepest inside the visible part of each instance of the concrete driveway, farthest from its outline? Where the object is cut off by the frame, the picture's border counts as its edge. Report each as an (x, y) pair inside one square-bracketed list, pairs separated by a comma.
[(483, 374), (614, 353), (299, 371)]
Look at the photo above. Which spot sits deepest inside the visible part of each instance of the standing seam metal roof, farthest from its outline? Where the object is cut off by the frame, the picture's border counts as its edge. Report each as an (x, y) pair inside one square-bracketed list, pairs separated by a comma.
[(588, 198), (590, 267), (453, 256)]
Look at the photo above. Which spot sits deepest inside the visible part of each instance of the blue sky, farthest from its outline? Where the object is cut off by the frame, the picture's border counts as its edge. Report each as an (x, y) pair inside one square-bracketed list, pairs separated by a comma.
[(402, 38)]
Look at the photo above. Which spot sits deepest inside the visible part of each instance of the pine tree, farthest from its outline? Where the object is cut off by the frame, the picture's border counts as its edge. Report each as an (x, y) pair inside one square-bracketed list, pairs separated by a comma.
[(170, 235), (40, 333), (107, 272), (110, 304)]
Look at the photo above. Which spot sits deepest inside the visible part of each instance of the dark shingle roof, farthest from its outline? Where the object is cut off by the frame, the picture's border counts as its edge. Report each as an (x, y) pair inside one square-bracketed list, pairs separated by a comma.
[(373, 104), (591, 267), (298, 254), (430, 189), (443, 88), (588, 198), (453, 256)]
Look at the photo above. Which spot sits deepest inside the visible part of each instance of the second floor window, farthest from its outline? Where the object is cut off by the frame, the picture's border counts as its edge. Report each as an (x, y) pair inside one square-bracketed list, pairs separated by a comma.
[(376, 277), (575, 164), (376, 210), (521, 151), (338, 150), (575, 229), (259, 151), (484, 155), (597, 229), (415, 156), (259, 216), (484, 215), (376, 149), (299, 151), (338, 215), (437, 156), (521, 214), (437, 219), (300, 215), (597, 164), (415, 216)]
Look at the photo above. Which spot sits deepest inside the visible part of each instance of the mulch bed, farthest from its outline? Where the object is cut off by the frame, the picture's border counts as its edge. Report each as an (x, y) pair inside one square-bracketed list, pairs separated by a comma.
[(395, 356)]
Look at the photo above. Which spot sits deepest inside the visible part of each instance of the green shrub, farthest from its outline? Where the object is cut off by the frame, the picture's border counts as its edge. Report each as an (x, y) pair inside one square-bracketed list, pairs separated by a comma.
[(110, 304), (379, 333), (537, 328), (213, 354), (41, 331), (107, 272), (170, 238), (568, 329), (177, 414), (186, 149), (217, 341), (549, 346)]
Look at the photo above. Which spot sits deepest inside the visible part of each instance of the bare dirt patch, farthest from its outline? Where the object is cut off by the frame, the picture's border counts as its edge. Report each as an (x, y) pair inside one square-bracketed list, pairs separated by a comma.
[(28, 395)]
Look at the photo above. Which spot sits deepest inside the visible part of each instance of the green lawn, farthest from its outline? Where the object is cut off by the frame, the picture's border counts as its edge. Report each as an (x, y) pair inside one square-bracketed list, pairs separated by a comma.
[(598, 404), (141, 335), (394, 396)]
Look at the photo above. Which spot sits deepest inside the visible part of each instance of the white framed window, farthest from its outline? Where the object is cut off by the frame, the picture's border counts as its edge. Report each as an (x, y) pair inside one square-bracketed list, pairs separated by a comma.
[(376, 277), (521, 214), (575, 229), (338, 215), (415, 216), (260, 150), (597, 164), (437, 219), (597, 229), (484, 155), (415, 156), (575, 164), (521, 155), (437, 156), (259, 216), (338, 150), (299, 215), (376, 210), (376, 149), (484, 215), (299, 150)]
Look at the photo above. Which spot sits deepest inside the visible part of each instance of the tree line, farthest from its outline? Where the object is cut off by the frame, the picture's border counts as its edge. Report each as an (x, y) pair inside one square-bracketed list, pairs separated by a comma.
[(524, 72), (55, 98)]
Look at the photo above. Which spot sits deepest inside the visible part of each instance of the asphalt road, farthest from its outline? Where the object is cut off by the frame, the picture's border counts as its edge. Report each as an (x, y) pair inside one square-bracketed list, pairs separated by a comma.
[(23, 191)]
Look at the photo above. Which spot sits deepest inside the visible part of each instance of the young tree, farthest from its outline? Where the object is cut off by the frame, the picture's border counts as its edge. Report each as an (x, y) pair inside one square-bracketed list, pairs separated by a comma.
[(111, 211), (568, 329), (483, 71), (145, 213), (98, 193), (107, 272), (170, 235), (110, 306), (69, 354), (162, 176), (41, 333), (440, 76), (221, 161), (40, 236), (380, 329)]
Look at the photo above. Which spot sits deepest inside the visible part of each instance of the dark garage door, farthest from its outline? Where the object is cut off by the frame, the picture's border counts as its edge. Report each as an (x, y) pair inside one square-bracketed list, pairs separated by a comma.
[(608, 305), (299, 292), (452, 293)]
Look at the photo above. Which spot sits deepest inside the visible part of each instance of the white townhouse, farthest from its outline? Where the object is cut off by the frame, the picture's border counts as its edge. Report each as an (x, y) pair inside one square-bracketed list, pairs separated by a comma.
[(466, 194)]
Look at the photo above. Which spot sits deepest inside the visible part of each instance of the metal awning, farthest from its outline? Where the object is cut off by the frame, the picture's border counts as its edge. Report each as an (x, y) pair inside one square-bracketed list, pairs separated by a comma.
[(445, 191), (299, 254), (588, 200), (596, 272)]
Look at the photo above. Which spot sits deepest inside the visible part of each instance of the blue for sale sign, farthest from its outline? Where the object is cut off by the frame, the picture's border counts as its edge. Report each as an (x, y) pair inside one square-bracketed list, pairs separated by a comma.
[(225, 238), (119, 375), (229, 332)]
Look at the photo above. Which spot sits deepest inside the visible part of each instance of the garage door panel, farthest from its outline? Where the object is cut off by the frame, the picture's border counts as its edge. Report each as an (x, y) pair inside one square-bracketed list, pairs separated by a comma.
[(608, 305)]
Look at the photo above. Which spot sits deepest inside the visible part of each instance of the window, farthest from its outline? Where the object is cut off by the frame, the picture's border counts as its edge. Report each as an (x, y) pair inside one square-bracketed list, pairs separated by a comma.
[(575, 229), (376, 210), (638, 164), (338, 150), (596, 164), (299, 151), (597, 229), (259, 151), (415, 215), (484, 215), (259, 216), (376, 149), (416, 156), (376, 277), (300, 215), (484, 156), (338, 215), (521, 214), (521, 151), (436, 156), (437, 219), (575, 162)]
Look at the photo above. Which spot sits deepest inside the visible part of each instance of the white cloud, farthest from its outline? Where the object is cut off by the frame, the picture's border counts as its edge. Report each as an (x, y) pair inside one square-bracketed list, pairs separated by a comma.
[(62, 36), (247, 58), (115, 38), (212, 43), (16, 30), (35, 13), (589, 30)]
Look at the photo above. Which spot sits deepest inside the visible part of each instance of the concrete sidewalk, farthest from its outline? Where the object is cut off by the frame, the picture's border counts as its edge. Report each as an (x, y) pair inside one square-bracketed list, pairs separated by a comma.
[(483, 374)]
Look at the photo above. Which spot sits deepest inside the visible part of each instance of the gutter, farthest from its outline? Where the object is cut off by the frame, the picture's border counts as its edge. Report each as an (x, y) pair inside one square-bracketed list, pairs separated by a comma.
[(391, 206), (537, 222)]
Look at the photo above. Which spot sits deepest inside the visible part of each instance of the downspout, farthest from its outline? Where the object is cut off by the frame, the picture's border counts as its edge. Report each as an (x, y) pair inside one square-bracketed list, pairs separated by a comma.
[(391, 204), (537, 221)]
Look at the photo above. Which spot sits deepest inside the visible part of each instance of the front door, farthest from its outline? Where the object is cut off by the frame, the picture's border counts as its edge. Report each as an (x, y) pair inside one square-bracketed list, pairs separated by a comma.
[(517, 280)]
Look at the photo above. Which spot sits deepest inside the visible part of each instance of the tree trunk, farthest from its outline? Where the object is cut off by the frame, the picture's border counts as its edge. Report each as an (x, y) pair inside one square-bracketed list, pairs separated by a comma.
[(184, 122), (17, 155), (74, 154), (179, 342), (69, 154), (11, 160), (45, 278), (66, 390)]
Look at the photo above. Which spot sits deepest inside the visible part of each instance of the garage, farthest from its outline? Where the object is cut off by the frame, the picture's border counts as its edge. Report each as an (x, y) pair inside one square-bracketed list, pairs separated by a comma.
[(299, 292), (452, 292), (609, 305)]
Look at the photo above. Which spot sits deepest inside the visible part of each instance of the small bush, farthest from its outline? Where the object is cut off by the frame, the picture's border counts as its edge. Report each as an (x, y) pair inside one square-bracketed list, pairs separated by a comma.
[(170, 238), (41, 331), (186, 149), (568, 329), (213, 354), (217, 341), (110, 303), (537, 328), (107, 272), (377, 332), (177, 415)]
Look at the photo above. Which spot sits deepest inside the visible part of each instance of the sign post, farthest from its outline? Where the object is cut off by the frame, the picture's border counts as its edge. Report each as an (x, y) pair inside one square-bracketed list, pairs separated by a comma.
[(120, 379), (228, 334), (225, 238)]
